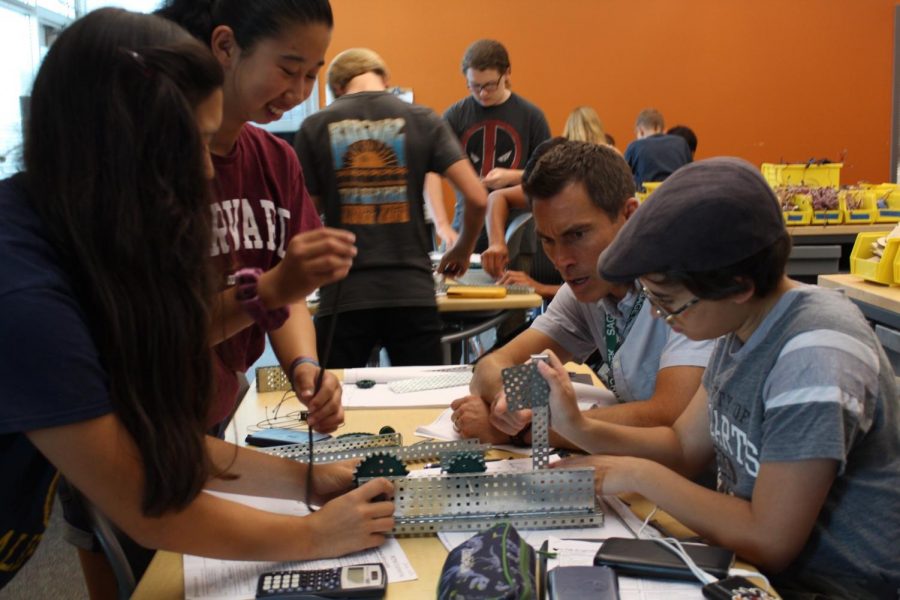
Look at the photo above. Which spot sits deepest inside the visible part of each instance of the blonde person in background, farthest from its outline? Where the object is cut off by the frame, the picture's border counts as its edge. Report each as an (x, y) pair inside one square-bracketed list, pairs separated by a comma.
[(582, 125)]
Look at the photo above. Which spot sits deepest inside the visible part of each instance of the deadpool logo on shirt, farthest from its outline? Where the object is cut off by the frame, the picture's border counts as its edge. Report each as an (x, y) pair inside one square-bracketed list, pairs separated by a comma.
[(493, 144)]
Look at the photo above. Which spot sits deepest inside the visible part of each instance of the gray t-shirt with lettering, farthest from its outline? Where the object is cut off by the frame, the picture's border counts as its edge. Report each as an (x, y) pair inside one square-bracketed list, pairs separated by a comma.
[(813, 382)]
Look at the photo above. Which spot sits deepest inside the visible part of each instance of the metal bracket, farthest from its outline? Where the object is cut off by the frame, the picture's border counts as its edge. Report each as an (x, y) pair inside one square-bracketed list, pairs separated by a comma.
[(525, 388), (271, 379), (530, 500), (335, 450)]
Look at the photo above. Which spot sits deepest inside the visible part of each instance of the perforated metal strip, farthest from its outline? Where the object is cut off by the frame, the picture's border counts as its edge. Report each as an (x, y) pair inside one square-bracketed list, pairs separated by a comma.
[(300, 451), (415, 453), (536, 499), (271, 379)]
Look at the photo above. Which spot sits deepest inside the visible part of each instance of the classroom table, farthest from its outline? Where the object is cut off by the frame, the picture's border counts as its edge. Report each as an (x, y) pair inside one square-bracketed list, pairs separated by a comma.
[(833, 234), (164, 579), (448, 305), (880, 303)]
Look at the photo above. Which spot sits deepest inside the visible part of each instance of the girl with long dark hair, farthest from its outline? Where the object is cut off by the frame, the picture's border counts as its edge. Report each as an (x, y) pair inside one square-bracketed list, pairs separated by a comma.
[(105, 304)]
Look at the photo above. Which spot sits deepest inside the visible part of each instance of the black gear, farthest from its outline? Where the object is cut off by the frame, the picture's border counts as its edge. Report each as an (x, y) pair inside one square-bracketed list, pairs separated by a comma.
[(463, 462), (379, 464)]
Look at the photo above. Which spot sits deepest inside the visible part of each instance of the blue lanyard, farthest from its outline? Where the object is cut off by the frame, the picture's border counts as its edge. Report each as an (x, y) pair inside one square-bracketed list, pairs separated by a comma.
[(614, 340)]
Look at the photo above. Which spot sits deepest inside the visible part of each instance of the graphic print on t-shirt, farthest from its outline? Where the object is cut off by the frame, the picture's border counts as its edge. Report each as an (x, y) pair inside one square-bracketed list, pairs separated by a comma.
[(727, 426), (492, 144), (370, 165)]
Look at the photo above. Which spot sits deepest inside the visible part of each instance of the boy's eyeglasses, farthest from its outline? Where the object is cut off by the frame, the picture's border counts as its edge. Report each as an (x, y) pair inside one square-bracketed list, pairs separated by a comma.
[(661, 312), (488, 87)]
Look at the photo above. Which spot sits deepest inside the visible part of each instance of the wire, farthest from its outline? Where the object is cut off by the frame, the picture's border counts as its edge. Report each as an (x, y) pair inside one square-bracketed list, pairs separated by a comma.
[(673, 545), (319, 378)]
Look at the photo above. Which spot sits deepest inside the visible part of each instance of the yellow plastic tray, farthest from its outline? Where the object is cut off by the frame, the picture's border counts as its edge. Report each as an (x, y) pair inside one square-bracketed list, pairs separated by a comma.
[(650, 186), (880, 271), (865, 213), (802, 174), (891, 213), (803, 214), (476, 291)]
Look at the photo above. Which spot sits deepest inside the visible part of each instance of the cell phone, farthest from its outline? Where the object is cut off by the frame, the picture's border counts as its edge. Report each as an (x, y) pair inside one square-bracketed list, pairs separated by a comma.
[(575, 583), (354, 581), (735, 588), (265, 438), (646, 558)]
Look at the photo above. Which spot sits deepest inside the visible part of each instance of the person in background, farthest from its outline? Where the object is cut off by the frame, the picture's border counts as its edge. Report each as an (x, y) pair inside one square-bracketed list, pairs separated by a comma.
[(653, 156), (106, 284), (798, 405), (365, 158), (581, 195), (688, 134), (584, 125), (498, 129)]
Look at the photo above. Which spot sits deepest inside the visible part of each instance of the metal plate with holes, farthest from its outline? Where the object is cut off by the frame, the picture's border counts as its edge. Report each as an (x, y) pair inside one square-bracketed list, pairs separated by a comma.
[(387, 440), (524, 387), (540, 437), (415, 453), (541, 520), (271, 379), (535, 499)]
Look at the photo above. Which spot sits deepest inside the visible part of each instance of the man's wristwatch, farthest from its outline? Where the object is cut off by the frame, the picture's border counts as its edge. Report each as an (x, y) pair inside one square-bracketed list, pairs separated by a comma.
[(246, 282)]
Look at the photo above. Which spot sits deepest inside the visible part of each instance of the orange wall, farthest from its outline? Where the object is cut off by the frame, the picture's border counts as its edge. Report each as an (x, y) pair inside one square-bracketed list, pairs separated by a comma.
[(767, 80)]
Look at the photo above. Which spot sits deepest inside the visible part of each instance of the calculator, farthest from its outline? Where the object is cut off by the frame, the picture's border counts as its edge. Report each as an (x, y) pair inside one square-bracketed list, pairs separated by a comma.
[(355, 581)]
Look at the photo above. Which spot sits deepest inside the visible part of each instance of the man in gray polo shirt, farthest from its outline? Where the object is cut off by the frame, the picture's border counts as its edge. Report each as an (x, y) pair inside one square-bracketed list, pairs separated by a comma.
[(581, 194)]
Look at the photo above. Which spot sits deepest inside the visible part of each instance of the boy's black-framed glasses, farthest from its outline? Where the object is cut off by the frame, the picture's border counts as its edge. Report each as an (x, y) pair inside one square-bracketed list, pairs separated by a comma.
[(661, 311), (489, 87)]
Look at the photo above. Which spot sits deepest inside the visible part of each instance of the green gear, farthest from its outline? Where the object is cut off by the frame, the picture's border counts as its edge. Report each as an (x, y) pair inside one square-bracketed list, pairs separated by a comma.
[(463, 462), (379, 464)]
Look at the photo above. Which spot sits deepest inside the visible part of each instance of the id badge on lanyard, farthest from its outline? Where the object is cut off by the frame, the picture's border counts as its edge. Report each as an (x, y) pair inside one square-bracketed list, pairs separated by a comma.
[(614, 342)]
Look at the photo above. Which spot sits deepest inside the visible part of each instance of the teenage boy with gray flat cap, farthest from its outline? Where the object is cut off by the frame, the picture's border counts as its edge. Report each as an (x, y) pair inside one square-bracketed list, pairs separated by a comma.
[(798, 404)]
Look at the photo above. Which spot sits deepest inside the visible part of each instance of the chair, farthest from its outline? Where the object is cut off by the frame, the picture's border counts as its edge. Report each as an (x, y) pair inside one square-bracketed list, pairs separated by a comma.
[(126, 558), (465, 327)]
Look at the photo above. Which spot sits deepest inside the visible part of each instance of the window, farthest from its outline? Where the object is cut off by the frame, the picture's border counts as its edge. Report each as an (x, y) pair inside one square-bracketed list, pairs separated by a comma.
[(27, 29)]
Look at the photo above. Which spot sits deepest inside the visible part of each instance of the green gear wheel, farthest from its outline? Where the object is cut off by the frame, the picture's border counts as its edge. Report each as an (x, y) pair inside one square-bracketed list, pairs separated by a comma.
[(464, 462), (379, 464)]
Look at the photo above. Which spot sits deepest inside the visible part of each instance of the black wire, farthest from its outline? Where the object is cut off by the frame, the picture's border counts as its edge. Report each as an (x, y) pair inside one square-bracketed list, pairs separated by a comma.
[(326, 355)]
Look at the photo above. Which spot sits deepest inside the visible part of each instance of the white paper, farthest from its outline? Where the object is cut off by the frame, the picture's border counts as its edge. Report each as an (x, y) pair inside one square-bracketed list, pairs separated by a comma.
[(213, 579), (389, 374), (504, 465), (380, 396)]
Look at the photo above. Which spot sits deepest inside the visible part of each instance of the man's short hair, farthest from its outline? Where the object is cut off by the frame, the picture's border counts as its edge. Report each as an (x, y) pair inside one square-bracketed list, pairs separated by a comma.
[(601, 169), (352, 63), (687, 133), (486, 54), (650, 118)]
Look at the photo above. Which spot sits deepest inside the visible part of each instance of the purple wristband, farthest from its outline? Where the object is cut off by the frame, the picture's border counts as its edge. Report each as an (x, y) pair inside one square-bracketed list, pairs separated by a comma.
[(246, 282)]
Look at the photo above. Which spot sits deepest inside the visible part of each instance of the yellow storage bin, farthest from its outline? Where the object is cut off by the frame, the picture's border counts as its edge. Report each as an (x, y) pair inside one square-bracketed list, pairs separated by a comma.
[(858, 206), (887, 206), (802, 215), (827, 217), (863, 265), (641, 196), (650, 186), (827, 175)]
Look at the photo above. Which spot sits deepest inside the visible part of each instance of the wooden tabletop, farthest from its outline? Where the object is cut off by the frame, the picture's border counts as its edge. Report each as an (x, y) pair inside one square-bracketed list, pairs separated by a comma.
[(857, 288), (445, 304), (164, 579), (849, 230)]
